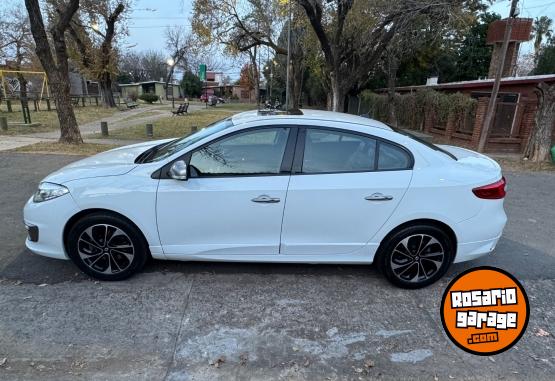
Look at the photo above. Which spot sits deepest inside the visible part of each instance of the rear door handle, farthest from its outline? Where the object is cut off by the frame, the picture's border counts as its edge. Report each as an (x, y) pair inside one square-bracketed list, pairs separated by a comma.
[(378, 197), (265, 199)]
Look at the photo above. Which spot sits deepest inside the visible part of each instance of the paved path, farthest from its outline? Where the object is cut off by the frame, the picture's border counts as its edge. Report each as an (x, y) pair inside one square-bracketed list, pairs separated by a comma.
[(115, 122), (175, 320)]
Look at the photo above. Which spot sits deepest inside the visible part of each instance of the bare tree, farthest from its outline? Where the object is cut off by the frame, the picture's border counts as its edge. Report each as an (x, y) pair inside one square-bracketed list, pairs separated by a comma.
[(17, 46), (539, 142), (56, 65), (178, 43), (94, 40)]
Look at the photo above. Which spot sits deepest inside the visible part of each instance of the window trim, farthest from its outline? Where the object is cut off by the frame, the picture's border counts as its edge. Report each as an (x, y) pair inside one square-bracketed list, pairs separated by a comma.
[(286, 160), (301, 139)]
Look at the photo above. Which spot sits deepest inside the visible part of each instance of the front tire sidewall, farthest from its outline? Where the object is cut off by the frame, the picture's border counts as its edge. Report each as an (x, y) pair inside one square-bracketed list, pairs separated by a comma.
[(384, 257), (139, 244)]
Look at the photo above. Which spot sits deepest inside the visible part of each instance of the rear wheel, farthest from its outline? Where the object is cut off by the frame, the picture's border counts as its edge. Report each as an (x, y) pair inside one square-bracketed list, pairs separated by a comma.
[(106, 247), (416, 256)]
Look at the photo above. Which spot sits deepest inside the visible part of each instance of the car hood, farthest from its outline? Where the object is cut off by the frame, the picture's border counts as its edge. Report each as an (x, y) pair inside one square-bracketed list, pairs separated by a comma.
[(115, 162)]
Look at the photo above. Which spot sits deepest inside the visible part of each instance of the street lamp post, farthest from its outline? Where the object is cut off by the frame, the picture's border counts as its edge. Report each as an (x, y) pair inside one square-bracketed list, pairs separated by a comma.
[(170, 63)]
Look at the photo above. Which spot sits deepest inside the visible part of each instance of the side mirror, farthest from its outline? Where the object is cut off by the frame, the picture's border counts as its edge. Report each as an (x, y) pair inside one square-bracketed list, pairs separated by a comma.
[(178, 170)]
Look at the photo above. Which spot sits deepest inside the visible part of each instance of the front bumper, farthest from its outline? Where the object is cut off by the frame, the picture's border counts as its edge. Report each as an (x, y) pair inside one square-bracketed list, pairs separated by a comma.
[(47, 219)]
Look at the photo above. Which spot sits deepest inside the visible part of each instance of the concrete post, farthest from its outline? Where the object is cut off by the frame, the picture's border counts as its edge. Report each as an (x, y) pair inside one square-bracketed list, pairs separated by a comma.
[(4, 123), (104, 128)]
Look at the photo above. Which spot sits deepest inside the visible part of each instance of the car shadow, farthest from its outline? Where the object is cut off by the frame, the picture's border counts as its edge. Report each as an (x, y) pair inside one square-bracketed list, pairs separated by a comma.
[(522, 261)]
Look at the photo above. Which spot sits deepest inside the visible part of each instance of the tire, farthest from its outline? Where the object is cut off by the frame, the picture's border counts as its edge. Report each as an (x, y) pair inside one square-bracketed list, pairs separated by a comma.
[(107, 247), (408, 265)]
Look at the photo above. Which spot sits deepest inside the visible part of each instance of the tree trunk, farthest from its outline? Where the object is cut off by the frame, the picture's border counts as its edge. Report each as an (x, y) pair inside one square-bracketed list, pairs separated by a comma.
[(539, 142), (69, 131), (338, 94), (105, 83), (392, 66), (56, 71)]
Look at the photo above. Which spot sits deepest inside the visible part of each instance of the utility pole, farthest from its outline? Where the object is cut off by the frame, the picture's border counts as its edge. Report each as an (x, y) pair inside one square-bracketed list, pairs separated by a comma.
[(492, 106)]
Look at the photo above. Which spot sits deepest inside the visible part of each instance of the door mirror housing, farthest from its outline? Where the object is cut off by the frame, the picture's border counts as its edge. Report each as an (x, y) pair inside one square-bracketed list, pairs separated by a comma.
[(178, 170)]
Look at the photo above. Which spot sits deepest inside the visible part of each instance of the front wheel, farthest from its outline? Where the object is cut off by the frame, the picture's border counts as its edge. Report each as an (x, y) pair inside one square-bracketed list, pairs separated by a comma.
[(416, 256), (106, 247)]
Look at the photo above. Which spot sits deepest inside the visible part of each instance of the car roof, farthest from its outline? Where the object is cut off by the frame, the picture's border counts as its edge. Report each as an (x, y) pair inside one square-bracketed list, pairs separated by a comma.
[(308, 114)]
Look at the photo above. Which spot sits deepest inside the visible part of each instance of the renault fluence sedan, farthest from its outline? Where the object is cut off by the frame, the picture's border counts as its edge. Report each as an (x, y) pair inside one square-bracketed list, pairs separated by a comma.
[(317, 187)]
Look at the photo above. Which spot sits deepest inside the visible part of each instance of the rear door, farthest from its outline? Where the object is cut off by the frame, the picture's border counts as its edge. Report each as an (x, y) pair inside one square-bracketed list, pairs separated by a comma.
[(344, 187)]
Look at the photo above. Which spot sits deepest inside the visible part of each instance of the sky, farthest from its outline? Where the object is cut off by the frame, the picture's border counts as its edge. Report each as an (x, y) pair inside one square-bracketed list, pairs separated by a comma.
[(149, 19)]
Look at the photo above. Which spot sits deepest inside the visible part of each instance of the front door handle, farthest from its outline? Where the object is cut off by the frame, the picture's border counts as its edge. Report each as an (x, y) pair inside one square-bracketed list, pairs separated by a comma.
[(378, 197), (265, 199)]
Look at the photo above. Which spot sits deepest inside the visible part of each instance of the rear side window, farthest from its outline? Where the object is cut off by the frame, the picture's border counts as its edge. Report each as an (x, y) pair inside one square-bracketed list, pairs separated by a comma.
[(332, 151), (392, 157), (328, 151)]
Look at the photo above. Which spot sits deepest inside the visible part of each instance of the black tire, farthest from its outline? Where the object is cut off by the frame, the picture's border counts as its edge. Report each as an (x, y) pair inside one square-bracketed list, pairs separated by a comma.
[(392, 254), (108, 251)]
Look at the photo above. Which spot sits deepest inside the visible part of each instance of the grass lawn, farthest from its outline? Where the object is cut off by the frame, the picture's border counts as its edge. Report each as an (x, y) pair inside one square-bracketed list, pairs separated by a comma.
[(49, 119), (175, 126), (86, 149)]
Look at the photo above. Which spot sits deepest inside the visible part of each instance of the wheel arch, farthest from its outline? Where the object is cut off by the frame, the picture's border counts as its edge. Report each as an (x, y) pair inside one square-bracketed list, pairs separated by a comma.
[(82, 213), (420, 221)]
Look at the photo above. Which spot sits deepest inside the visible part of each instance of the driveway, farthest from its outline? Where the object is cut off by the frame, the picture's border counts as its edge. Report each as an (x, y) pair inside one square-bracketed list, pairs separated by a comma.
[(216, 321)]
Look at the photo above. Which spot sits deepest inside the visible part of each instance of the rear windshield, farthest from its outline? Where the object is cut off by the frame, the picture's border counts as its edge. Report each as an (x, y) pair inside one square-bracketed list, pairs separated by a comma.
[(422, 141)]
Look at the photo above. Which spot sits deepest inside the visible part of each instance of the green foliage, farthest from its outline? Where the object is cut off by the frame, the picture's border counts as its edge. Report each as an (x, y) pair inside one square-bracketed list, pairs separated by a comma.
[(546, 59), (191, 84), (412, 109), (149, 98), (461, 55)]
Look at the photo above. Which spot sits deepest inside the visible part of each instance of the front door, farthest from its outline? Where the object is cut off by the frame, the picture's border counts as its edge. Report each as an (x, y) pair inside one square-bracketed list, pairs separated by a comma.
[(346, 187), (233, 200)]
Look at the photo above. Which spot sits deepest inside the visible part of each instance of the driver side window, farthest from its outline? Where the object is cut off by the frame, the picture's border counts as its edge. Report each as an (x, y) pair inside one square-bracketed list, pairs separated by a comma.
[(255, 152)]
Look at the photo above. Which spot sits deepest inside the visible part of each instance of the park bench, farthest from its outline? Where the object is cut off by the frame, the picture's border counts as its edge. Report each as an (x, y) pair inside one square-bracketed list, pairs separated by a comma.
[(130, 104), (181, 110)]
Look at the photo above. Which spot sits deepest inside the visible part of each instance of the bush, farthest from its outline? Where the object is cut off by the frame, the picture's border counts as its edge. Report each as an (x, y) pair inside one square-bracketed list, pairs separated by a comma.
[(149, 98), (411, 109)]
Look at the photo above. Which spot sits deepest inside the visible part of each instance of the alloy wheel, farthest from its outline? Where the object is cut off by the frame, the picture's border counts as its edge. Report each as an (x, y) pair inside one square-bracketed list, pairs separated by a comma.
[(105, 249), (417, 257)]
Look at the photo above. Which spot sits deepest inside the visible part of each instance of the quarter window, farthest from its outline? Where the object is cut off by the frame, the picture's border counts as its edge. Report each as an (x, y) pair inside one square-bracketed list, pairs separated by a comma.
[(328, 151), (392, 157), (255, 152)]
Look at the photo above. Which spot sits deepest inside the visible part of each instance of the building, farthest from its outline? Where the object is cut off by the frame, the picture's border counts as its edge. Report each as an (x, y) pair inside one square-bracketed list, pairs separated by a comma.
[(237, 92), (128, 90), (517, 101), (514, 117)]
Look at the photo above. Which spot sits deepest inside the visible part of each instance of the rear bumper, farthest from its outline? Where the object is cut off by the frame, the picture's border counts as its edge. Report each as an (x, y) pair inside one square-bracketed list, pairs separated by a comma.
[(479, 235)]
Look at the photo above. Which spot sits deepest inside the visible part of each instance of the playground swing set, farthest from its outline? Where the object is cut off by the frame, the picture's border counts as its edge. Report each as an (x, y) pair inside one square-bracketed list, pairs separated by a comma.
[(9, 89)]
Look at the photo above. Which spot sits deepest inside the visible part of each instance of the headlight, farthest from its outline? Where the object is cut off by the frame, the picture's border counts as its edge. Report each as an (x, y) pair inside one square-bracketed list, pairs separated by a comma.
[(48, 191)]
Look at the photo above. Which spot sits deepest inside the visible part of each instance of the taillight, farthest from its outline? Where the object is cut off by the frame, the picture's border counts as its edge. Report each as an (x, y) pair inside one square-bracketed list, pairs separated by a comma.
[(493, 191)]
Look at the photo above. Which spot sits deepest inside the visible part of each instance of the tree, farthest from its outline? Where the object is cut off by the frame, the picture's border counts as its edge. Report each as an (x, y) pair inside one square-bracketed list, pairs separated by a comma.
[(546, 60), (541, 29), (539, 142), (54, 60), (17, 46), (191, 84), (353, 35), (247, 78), (178, 43), (95, 41)]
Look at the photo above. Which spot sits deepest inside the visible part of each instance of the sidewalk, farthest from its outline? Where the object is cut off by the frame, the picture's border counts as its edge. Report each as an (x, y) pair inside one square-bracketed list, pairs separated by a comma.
[(115, 122)]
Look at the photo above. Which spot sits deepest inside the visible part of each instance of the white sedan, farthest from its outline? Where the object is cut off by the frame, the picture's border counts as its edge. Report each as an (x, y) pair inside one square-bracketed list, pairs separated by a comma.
[(318, 187)]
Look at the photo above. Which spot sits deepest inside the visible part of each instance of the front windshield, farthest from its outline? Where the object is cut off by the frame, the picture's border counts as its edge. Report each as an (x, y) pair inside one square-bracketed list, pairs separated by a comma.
[(177, 145)]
